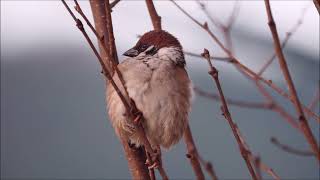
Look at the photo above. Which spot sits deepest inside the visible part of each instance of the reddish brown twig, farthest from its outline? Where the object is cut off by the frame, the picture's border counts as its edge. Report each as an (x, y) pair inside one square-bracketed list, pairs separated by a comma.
[(283, 65), (261, 166), (155, 18), (315, 99), (244, 69), (192, 154), (289, 149), (317, 5), (225, 110), (285, 41), (255, 159)]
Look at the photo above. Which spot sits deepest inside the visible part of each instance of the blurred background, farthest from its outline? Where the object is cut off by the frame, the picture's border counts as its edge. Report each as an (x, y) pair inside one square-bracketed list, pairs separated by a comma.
[(53, 114)]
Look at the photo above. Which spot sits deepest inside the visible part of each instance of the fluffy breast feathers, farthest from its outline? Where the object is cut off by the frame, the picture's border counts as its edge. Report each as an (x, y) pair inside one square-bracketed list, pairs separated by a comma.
[(161, 89)]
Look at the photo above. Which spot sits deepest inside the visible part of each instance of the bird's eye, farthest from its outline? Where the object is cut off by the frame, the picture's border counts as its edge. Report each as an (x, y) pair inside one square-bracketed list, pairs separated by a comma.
[(144, 47)]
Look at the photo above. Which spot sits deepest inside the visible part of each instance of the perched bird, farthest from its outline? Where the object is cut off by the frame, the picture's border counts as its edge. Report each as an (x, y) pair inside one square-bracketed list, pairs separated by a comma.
[(156, 79)]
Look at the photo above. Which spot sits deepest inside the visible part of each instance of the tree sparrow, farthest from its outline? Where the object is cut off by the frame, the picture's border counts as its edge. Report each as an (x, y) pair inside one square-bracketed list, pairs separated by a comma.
[(157, 81)]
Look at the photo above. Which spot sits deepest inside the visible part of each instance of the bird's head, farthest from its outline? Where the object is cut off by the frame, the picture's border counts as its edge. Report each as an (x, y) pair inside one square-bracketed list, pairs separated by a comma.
[(152, 41)]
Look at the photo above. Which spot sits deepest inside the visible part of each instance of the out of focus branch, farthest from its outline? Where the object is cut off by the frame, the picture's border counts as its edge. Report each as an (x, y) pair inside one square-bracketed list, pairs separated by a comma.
[(250, 73), (289, 149), (285, 41), (243, 104), (315, 99), (226, 59), (283, 65), (225, 110)]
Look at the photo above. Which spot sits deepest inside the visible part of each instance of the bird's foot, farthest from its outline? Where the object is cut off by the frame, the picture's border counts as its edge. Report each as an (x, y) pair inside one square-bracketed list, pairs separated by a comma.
[(135, 112), (156, 160)]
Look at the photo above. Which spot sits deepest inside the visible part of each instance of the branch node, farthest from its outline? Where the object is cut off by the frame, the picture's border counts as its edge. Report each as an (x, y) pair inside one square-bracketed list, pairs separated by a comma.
[(79, 25)]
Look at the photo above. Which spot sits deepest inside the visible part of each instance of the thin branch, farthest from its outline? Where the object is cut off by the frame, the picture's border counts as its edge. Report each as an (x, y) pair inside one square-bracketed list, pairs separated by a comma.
[(285, 41), (317, 5), (256, 160), (315, 99), (242, 104), (114, 3), (261, 166), (155, 18), (225, 110), (283, 65), (234, 15), (241, 66), (215, 21), (248, 72), (192, 153), (257, 163), (289, 149), (226, 59), (208, 167)]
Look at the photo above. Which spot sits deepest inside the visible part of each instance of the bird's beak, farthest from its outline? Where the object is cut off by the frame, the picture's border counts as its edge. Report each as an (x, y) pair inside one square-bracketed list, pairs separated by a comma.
[(131, 53)]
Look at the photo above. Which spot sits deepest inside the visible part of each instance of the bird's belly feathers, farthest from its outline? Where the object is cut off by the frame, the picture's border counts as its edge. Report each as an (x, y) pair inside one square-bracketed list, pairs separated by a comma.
[(162, 92)]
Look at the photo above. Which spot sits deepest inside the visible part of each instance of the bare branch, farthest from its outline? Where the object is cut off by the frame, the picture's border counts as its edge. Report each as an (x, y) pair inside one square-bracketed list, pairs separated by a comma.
[(225, 110), (226, 59), (242, 104), (193, 154), (283, 65), (244, 69), (315, 99), (261, 166), (288, 149), (285, 41), (114, 3), (234, 15)]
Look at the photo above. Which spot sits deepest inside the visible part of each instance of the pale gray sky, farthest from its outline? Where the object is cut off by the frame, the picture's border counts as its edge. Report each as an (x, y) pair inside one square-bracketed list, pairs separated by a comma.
[(25, 24)]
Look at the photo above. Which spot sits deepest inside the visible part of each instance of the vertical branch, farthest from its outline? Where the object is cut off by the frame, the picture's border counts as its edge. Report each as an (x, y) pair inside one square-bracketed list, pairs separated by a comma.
[(225, 110), (155, 18), (99, 16), (112, 45), (136, 160), (136, 157), (283, 65)]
